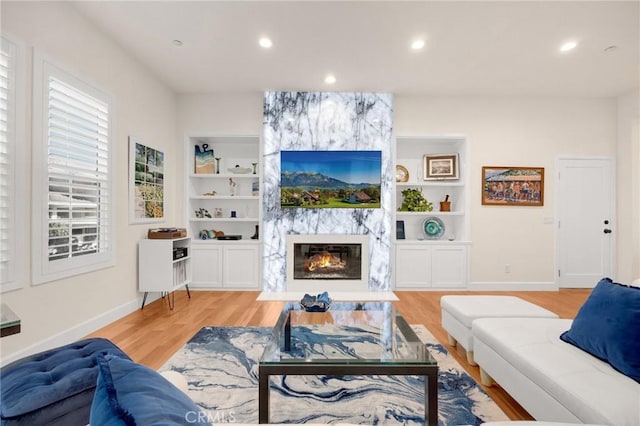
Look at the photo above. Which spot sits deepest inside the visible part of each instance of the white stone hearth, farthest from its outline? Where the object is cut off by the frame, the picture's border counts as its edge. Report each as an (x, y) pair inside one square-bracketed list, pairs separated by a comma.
[(338, 296)]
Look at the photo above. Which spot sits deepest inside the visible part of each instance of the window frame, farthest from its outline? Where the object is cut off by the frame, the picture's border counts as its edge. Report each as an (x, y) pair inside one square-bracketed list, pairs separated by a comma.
[(13, 277), (43, 269)]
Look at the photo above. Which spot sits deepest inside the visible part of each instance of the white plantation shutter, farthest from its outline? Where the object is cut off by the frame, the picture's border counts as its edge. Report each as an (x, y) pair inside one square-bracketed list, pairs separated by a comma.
[(76, 138), (7, 163)]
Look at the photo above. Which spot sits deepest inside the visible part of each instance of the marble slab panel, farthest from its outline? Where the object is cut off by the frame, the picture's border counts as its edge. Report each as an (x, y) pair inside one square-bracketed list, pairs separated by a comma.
[(326, 121)]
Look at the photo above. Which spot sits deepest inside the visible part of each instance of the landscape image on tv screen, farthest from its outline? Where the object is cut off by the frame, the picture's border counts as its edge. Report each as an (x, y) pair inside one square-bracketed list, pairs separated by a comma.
[(330, 179)]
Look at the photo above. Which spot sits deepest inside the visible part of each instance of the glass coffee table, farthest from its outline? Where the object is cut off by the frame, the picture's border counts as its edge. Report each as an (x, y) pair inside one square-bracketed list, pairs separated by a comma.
[(390, 348)]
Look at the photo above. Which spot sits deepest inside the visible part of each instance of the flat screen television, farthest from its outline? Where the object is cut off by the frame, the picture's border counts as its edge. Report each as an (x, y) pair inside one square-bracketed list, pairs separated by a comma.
[(330, 179)]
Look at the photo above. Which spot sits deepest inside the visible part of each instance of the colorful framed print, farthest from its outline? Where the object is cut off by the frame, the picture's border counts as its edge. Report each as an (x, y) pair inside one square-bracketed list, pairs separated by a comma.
[(512, 186)]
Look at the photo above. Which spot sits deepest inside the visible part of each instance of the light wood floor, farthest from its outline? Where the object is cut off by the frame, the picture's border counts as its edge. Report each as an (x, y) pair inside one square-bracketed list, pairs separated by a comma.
[(150, 336)]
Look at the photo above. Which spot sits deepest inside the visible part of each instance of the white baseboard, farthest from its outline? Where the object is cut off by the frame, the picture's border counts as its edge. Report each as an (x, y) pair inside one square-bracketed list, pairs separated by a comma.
[(513, 286), (75, 333)]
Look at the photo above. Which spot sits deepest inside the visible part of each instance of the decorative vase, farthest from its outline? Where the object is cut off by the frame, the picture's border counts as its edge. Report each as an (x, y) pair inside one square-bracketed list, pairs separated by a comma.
[(255, 235)]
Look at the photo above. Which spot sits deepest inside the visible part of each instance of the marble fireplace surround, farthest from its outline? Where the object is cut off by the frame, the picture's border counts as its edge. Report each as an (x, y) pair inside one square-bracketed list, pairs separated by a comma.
[(326, 121)]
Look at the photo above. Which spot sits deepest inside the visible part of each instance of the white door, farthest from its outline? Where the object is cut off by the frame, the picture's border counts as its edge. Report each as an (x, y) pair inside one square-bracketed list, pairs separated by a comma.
[(586, 221)]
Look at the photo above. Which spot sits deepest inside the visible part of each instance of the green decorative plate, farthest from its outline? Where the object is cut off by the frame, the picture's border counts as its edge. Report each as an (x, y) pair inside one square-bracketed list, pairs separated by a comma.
[(433, 228)]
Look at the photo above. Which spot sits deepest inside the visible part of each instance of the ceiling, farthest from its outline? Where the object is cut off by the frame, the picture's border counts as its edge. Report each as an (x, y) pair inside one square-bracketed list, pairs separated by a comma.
[(472, 47)]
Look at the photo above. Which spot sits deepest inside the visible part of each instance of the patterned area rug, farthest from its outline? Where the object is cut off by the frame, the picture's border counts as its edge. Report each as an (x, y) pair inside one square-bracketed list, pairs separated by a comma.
[(221, 366)]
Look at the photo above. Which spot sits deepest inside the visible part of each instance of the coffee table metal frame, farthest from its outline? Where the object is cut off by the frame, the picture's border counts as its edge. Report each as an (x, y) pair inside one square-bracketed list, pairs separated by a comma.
[(423, 364)]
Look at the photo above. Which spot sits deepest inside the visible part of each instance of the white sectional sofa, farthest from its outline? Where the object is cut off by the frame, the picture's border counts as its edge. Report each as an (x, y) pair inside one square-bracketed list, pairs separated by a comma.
[(553, 380), (585, 370)]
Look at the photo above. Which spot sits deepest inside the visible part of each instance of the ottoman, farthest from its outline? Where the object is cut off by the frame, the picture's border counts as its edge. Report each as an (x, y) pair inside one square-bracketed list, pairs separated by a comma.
[(458, 312), (54, 387)]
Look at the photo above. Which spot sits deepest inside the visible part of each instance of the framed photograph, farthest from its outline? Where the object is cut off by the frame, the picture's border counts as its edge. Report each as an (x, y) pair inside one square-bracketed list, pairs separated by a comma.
[(146, 183), (512, 186), (440, 166)]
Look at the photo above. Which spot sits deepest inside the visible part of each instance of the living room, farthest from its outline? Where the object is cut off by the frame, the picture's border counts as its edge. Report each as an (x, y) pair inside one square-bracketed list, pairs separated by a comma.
[(588, 109)]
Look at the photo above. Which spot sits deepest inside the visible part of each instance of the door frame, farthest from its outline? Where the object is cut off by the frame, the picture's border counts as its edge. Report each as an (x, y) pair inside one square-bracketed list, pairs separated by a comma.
[(612, 208)]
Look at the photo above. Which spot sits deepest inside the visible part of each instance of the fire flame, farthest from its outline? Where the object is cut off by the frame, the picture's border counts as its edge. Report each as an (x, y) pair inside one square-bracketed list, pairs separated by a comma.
[(324, 260)]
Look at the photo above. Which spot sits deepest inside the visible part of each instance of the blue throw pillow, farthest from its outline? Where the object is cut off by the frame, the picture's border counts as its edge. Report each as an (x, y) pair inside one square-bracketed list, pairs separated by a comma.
[(608, 327), (129, 394)]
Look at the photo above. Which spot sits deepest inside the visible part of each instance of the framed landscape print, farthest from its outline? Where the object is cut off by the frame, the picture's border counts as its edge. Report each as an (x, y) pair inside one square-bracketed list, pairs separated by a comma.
[(440, 166), (146, 183), (512, 186)]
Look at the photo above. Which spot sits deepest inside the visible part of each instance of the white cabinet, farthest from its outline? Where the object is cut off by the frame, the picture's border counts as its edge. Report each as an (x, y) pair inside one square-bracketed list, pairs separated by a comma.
[(225, 200), (226, 265), (240, 270), (422, 265), (427, 260), (207, 266), (164, 265)]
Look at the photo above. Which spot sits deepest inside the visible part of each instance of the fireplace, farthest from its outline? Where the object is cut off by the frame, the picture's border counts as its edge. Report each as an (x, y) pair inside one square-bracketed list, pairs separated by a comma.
[(327, 262)]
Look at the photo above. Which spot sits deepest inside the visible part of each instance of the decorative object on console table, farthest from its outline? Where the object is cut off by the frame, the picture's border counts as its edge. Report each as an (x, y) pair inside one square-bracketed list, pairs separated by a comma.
[(512, 186), (440, 166), (146, 183), (166, 233), (204, 159)]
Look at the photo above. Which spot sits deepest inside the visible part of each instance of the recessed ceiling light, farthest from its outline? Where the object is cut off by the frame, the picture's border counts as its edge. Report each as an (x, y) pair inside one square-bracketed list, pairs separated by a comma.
[(417, 44), (265, 42), (569, 45), (177, 42), (330, 79)]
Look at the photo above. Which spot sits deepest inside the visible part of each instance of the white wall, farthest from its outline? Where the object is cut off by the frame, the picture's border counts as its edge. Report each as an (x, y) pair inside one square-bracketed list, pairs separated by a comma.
[(628, 176), (65, 310)]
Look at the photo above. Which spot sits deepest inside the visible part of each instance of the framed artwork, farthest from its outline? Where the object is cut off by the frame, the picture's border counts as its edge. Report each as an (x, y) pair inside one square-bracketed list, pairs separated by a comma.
[(146, 183), (440, 166), (204, 159), (512, 186)]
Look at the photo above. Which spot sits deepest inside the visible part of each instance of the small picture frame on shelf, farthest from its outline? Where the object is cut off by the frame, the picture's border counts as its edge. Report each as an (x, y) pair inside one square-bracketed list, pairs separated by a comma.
[(204, 160), (441, 167), (400, 230)]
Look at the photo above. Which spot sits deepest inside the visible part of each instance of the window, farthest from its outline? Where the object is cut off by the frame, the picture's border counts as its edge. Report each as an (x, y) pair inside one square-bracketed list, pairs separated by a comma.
[(12, 208), (72, 208)]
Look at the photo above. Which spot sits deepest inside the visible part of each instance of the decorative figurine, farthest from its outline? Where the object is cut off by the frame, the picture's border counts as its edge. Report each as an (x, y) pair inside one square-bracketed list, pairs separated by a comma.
[(217, 165), (232, 187)]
